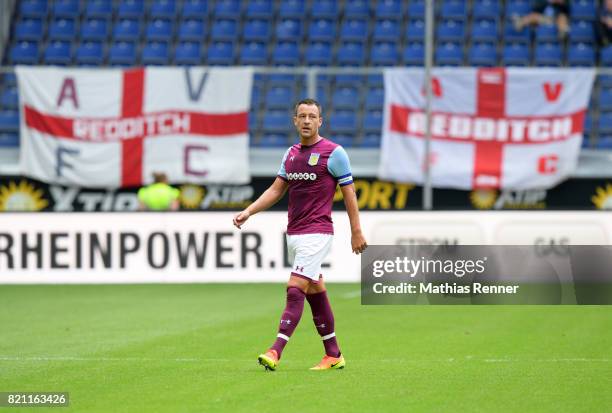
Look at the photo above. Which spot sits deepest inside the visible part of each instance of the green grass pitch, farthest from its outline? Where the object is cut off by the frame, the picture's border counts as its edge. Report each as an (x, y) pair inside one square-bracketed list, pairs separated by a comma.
[(193, 348)]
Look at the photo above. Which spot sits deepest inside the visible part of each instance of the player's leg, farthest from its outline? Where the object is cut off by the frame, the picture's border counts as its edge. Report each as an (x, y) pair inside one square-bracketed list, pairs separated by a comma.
[(290, 318), (323, 318)]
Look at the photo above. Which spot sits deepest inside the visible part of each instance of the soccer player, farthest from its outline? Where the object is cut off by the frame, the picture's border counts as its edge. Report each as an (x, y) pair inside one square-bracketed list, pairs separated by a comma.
[(310, 170)]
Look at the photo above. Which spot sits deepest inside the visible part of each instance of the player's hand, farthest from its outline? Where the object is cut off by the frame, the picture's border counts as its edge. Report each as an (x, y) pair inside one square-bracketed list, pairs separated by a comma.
[(240, 218), (358, 242)]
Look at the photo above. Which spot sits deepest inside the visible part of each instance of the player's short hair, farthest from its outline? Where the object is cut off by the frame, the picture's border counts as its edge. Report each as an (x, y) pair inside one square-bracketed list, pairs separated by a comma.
[(160, 177), (307, 101)]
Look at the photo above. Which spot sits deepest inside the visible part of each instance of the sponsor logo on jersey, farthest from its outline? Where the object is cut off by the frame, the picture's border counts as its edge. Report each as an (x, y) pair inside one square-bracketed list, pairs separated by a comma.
[(301, 176), (314, 159)]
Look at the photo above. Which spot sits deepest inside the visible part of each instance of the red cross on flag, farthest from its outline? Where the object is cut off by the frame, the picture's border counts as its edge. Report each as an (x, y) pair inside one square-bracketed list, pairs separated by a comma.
[(515, 128), (115, 127)]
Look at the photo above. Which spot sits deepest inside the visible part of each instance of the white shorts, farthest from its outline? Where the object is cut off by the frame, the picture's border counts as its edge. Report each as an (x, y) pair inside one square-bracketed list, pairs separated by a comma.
[(307, 252)]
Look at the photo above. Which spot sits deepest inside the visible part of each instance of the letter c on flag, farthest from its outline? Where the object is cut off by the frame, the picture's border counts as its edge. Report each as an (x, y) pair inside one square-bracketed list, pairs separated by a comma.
[(188, 170), (547, 164)]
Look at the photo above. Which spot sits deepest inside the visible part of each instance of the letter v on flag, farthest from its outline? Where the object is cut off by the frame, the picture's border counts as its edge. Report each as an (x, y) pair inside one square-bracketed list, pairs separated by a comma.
[(115, 127), (490, 127)]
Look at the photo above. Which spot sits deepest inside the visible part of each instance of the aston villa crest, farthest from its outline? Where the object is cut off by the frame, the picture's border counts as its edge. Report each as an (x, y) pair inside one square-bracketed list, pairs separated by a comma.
[(314, 159)]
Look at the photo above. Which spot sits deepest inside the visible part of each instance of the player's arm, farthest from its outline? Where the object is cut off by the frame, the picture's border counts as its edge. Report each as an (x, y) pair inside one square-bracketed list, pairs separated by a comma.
[(340, 168), (270, 197), (358, 242)]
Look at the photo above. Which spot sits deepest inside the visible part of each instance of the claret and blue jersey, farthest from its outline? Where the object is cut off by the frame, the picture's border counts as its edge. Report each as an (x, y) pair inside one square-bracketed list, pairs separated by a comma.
[(312, 173)]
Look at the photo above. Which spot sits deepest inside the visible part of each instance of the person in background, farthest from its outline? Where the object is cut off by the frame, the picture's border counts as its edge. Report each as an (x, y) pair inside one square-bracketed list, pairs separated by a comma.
[(546, 12), (159, 196), (604, 23)]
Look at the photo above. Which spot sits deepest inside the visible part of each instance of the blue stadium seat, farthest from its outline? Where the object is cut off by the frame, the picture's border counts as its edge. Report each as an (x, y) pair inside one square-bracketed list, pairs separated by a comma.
[(345, 139), (488, 9), (9, 79), (99, 8), (257, 30), (259, 9), (25, 53), (584, 10), (453, 9), (605, 123), (547, 33), (415, 30), (224, 29), (286, 54), (90, 53), (326, 9), (122, 53), (289, 30), (94, 29), (605, 81), (292, 9), (416, 9), (345, 98), (273, 140), (388, 9), (277, 97), (66, 8), (29, 29), (188, 53), (343, 121), (517, 7), (485, 30), (386, 30), (604, 142), (482, 54), (581, 54), (322, 30), (414, 54), (195, 9), (62, 29), (191, 29), (357, 9), (350, 54), (9, 140), (582, 31), (227, 9), (451, 30), (9, 121), (33, 8), (126, 30), (516, 54), (513, 36), (371, 140), (58, 53), (605, 100), (375, 98), (372, 121), (254, 53), (276, 121), (449, 54), (131, 9), (155, 53), (547, 54), (220, 54), (347, 80), (284, 79), (354, 30), (384, 54), (318, 54), (163, 9), (159, 29), (10, 98), (606, 56)]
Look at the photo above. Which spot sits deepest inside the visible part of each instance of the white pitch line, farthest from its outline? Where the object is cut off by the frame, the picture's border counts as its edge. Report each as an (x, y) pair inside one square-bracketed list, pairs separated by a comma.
[(222, 360), (351, 294)]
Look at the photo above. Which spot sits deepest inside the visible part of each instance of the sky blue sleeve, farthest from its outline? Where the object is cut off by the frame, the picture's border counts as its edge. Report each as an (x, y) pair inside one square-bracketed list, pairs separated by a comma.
[(339, 166), (281, 172)]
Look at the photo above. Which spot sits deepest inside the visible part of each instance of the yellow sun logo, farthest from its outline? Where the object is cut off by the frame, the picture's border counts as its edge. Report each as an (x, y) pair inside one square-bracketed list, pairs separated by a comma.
[(483, 198), (603, 198), (192, 196), (21, 197)]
